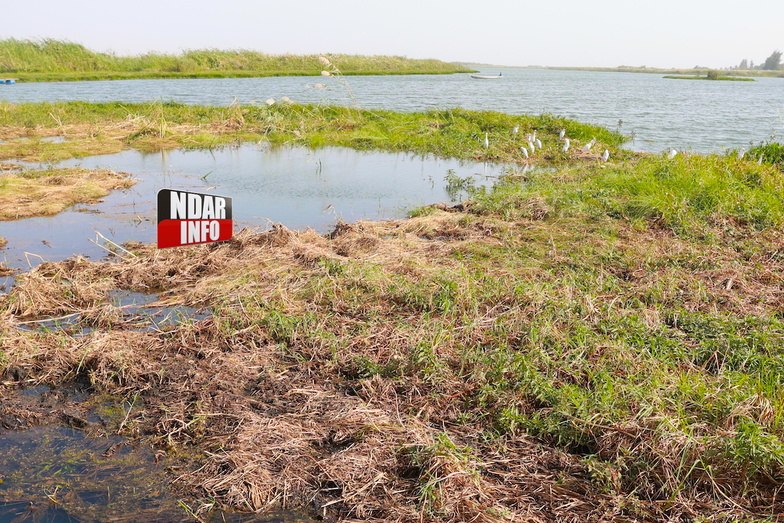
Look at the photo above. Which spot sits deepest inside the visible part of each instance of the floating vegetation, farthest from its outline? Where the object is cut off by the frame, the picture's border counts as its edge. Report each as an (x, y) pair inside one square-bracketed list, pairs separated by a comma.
[(61, 460), (47, 192)]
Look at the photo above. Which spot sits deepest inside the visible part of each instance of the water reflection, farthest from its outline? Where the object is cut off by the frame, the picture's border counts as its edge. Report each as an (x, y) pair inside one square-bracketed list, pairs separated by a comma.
[(297, 187), (128, 310), (60, 473)]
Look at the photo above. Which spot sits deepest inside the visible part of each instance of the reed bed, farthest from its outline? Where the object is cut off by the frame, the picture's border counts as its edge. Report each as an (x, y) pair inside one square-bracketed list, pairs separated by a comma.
[(57, 60)]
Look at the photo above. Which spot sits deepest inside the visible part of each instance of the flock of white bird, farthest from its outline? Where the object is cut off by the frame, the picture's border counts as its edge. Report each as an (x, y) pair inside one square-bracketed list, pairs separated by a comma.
[(534, 144), (743, 151), (672, 153)]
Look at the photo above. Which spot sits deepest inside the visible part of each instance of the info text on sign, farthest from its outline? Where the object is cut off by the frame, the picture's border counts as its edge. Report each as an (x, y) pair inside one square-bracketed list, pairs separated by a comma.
[(189, 218)]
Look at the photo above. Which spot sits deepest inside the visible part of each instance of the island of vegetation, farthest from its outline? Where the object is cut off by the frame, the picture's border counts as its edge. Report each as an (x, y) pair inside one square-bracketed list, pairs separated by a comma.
[(50, 60), (711, 75), (599, 340), (771, 67)]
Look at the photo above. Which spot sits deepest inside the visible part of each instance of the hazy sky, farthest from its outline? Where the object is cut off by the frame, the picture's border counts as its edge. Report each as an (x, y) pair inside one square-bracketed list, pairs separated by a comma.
[(604, 33)]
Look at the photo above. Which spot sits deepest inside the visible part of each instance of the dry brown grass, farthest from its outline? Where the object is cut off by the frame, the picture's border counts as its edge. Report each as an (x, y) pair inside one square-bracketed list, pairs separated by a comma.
[(88, 139), (286, 418), (35, 193), (277, 431)]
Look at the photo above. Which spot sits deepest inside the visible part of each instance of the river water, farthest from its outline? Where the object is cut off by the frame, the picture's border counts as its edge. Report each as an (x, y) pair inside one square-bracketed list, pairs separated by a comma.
[(306, 188), (659, 113)]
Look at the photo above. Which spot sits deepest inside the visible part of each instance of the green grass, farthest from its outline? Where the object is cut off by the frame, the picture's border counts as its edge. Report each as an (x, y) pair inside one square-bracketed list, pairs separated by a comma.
[(625, 317), (455, 133), (55, 60), (681, 194)]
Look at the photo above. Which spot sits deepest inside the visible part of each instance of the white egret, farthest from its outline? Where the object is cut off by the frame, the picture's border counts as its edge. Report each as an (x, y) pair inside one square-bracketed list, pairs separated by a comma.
[(538, 143), (587, 147), (671, 154), (562, 134), (606, 155), (524, 151), (487, 142), (760, 159), (566, 144), (532, 147), (741, 153), (516, 129)]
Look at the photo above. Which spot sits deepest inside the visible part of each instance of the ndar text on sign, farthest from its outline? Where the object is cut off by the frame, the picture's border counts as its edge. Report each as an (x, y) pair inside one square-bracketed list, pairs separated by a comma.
[(188, 218)]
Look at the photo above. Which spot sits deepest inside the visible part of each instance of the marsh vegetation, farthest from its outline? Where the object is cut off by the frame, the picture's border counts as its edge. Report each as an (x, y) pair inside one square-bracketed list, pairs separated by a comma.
[(46, 192), (711, 75), (86, 128), (597, 340), (50, 60)]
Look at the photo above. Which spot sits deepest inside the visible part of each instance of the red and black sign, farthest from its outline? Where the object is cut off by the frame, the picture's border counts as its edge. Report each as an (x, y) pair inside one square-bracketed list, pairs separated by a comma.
[(189, 218)]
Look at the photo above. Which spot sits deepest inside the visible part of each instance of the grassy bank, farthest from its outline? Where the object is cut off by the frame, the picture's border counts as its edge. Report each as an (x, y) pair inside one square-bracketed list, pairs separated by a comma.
[(102, 128), (53, 60), (594, 341)]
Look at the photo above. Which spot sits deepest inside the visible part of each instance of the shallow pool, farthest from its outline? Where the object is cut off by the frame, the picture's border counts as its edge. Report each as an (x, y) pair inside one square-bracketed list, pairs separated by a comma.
[(294, 186)]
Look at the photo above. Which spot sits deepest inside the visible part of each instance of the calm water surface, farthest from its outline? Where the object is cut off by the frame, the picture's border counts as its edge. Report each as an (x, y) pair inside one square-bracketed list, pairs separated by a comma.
[(304, 188), (659, 113), (297, 187), (81, 470)]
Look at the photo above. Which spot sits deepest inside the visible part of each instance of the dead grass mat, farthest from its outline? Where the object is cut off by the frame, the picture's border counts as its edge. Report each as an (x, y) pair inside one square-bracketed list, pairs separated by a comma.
[(274, 422), (28, 196)]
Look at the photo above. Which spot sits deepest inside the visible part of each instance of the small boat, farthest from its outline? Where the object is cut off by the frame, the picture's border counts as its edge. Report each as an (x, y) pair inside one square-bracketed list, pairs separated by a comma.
[(7, 81), (486, 77)]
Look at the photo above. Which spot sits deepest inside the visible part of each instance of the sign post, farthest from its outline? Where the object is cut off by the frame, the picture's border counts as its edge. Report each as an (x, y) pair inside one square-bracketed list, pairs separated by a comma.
[(189, 218)]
